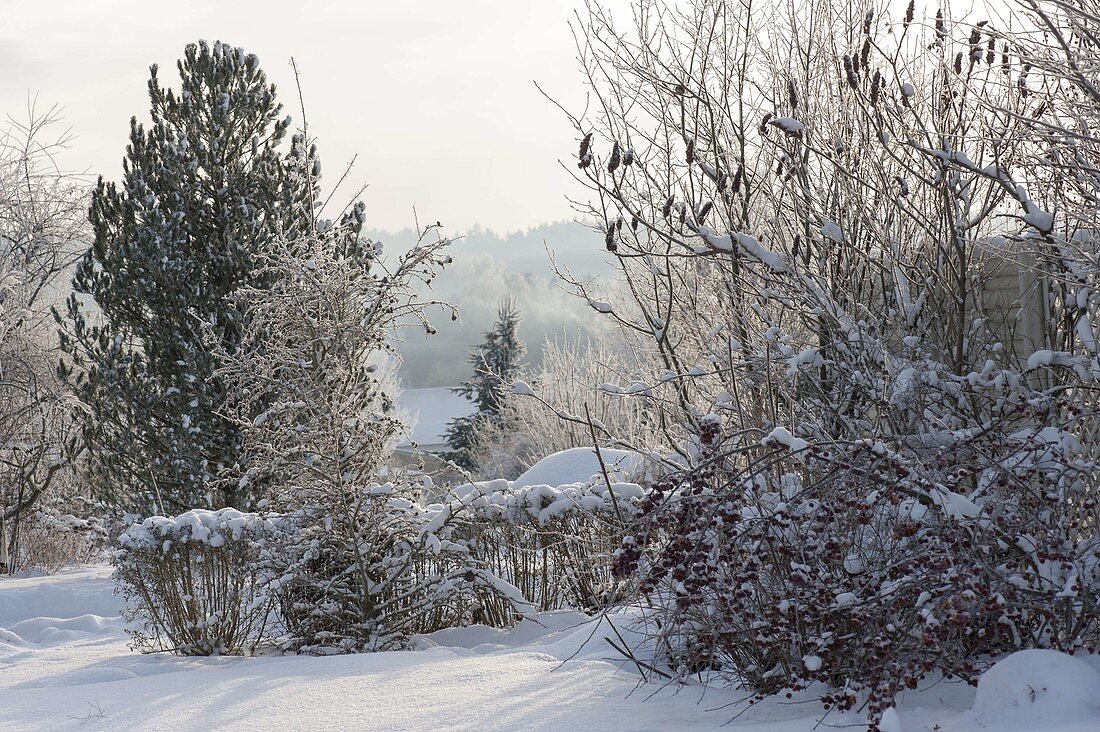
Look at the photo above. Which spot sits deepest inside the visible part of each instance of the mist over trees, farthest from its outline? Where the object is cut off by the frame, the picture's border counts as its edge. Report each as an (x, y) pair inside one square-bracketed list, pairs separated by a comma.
[(490, 267)]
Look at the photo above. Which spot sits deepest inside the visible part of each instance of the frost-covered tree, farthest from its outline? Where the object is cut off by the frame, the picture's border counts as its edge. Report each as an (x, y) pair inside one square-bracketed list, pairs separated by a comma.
[(205, 189), (569, 379), (42, 229), (497, 362), (310, 391), (358, 565)]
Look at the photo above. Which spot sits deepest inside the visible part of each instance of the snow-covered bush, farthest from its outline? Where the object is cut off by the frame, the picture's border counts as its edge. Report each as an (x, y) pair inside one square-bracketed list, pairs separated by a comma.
[(556, 544), (191, 582), (357, 565), (381, 571), (60, 533), (884, 477), (869, 565)]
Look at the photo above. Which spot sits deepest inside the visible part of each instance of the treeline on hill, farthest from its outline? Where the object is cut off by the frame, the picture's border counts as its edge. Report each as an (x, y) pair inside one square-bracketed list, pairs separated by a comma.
[(845, 408)]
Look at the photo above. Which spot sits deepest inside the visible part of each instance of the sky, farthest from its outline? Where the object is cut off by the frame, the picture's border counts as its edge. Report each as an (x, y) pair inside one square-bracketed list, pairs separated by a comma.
[(436, 98)]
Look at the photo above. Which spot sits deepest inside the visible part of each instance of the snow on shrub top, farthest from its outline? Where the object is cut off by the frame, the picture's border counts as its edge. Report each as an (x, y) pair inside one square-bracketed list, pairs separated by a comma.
[(197, 525), (502, 500)]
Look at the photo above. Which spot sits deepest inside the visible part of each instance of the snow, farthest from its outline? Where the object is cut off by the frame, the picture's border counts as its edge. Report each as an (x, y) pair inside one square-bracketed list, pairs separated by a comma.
[(788, 124), (1029, 689), (831, 230), (1037, 218), (1046, 358), (890, 721), (807, 357), (748, 243), (783, 436), (65, 664), (522, 388), (578, 465), (492, 500), (197, 525)]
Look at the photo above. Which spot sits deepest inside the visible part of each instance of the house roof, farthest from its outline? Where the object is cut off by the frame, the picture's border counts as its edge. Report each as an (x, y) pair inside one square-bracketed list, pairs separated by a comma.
[(428, 411)]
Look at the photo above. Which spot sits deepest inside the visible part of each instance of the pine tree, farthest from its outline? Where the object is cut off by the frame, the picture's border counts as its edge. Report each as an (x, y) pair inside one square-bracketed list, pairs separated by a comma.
[(205, 189), (497, 363)]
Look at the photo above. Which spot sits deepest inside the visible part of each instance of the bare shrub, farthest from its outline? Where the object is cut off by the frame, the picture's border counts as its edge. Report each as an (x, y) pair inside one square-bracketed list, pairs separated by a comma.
[(555, 544), (42, 219), (191, 584)]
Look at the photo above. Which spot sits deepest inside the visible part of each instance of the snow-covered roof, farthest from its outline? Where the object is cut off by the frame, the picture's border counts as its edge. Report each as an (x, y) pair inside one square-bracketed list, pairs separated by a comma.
[(428, 411)]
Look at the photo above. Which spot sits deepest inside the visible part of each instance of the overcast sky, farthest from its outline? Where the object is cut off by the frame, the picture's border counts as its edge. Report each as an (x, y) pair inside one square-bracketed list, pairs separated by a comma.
[(435, 96)]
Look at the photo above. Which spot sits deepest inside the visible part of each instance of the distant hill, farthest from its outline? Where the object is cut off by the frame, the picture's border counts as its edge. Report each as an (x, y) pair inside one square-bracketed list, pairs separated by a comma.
[(488, 267)]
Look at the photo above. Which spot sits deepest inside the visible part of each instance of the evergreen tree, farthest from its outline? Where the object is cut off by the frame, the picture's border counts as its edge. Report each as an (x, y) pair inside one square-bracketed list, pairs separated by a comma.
[(205, 189), (497, 363)]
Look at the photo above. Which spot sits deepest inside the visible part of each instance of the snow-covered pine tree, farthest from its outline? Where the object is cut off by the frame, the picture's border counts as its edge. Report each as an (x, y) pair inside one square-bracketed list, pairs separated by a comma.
[(497, 362), (204, 190)]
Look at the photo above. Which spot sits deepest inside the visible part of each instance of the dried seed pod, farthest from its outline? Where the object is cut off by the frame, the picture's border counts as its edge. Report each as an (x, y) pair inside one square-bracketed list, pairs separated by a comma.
[(850, 73), (666, 210), (909, 13), (1021, 82), (976, 52), (609, 239), (735, 187), (690, 152), (616, 158), (585, 153), (701, 216)]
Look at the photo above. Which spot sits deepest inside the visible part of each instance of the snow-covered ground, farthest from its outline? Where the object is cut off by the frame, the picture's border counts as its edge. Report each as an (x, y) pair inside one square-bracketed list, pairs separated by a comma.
[(65, 664)]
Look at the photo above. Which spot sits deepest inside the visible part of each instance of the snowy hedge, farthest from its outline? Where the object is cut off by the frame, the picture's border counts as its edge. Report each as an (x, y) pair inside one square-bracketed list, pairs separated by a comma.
[(555, 543), (369, 577), (218, 582), (191, 584)]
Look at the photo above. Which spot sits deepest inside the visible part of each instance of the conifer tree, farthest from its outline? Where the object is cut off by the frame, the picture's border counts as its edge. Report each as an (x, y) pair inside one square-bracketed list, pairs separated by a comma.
[(497, 362), (205, 189)]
